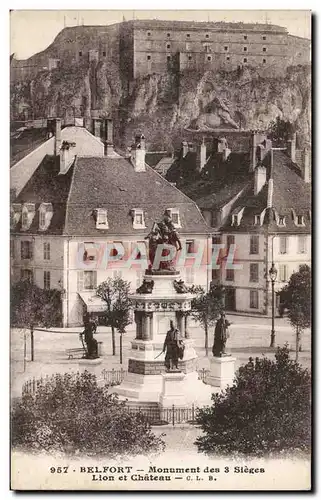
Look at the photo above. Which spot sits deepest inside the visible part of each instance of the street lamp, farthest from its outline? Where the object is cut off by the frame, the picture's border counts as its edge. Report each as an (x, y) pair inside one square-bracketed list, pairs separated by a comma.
[(273, 275)]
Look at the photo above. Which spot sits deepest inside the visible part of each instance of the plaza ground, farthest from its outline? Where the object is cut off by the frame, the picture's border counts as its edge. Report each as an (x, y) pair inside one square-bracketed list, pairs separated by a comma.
[(249, 336)]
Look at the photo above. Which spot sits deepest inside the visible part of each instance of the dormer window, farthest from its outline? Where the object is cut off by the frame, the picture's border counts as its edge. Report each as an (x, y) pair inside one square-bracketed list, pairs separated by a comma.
[(101, 218), (15, 214), (45, 216), (27, 216), (281, 220), (257, 220), (236, 216), (234, 220), (300, 220), (174, 215), (138, 218)]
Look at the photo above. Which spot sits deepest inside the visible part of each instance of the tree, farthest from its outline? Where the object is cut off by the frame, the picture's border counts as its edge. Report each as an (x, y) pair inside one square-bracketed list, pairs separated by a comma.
[(115, 292), (206, 307), (71, 413), (266, 410), (297, 299), (280, 131), (33, 307)]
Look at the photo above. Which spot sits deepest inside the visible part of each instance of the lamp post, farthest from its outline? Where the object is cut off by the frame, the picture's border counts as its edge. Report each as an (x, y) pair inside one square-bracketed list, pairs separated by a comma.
[(273, 275)]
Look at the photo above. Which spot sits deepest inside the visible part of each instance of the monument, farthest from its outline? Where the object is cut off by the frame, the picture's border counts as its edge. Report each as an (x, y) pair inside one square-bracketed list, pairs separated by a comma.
[(222, 364), (162, 364)]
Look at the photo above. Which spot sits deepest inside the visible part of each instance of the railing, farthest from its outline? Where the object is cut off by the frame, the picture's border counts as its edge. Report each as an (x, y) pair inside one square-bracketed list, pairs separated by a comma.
[(111, 377), (161, 416)]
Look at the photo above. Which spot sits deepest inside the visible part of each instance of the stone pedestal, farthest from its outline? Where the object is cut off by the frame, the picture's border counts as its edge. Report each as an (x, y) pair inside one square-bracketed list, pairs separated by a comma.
[(222, 372), (173, 391)]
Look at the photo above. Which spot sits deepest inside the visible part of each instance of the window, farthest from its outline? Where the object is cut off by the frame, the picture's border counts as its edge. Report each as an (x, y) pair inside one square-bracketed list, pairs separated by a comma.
[(234, 220), (263, 37), (168, 58), (264, 61), (226, 48), (189, 275), (90, 253), (168, 45), (227, 58), (264, 49), (174, 215), (245, 37), (148, 33), (245, 60), (257, 220), (207, 35), (254, 299), (283, 272), (101, 218), (283, 244), (188, 35), (168, 35), (45, 215), (138, 218), (139, 278), (254, 272), (302, 247), (281, 220), (300, 220), (24, 219), (46, 251), (245, 49), (209, 58), (189, 58), (42, 218), (80, 53), (26, 275), (87, 280), (216, 274), (188, 46), (230, 240), (229, 275), (254, 244), (148, 58), (104, 53), (26, 250), (12, 248), (46, 280), (139, 246), (190, 246)]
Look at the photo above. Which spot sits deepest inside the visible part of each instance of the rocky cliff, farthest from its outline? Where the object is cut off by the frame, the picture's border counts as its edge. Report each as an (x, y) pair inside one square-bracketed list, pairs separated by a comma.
[(164, 106)]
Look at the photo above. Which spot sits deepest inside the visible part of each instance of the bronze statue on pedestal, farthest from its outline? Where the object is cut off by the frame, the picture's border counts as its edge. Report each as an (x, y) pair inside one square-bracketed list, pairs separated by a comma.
[(163, 232), (220, 337), (173, 348)]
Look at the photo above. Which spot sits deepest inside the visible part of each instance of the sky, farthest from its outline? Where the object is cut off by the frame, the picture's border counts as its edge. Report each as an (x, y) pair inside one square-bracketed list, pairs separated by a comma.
[(40, 27)]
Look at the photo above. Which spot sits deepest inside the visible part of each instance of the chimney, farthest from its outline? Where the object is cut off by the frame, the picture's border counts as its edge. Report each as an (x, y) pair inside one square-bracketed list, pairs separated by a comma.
[(184, 148), (67, 156), (201, 156), (259, 179), (270, 194), (138, 152), (306, 166), (57, 136), (108, 137), (253, 141), (96, 127), (290, 147)]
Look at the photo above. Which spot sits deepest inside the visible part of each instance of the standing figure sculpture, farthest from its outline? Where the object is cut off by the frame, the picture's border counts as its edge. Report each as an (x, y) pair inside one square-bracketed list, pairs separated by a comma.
[(173, 348), (163, 233), (220, 337), (88, 336)]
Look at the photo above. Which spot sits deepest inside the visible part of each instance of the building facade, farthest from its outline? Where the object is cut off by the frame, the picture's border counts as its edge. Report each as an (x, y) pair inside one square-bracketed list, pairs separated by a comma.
[(258, 203), (81, 219), (142, 47)]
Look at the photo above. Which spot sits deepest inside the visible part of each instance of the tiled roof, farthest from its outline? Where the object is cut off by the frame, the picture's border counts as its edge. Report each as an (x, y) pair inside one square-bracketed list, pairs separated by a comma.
[(111, 183)]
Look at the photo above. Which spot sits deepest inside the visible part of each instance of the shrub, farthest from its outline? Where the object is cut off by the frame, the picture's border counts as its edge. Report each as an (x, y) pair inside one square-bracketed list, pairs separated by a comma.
[(71, 413), (266, 410)]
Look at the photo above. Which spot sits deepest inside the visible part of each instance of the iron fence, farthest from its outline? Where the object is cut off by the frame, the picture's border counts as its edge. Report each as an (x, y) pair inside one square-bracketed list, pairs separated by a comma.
[(173, 415), (110, 377)]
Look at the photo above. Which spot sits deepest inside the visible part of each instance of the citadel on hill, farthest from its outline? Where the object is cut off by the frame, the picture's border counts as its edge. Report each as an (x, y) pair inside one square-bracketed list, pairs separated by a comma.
[(143, 47)]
